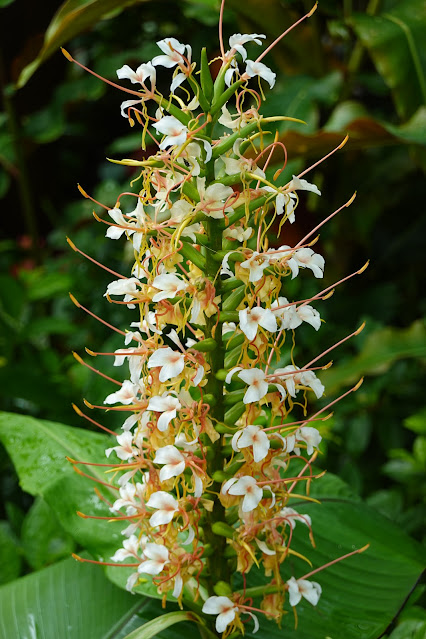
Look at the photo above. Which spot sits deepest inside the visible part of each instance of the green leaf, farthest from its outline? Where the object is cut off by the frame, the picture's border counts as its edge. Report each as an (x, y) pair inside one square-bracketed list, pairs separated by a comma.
[(417, 422), (38, 449), (410, 629), (395, 42), (42, 285), (69, 599), (72, 18), (360, 595), (10, 558), (155, 626), (381, 348), (43, 540)]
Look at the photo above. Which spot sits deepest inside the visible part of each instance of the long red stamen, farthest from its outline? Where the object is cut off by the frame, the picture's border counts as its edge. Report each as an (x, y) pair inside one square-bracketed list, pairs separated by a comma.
[(308, 15), (335, 561), (102, 563), (340, 146), (95, 370), (113, 328), (348, 203), (77, 250), (92, 421), (302, 421), (98, 481), (113, 84), (345, 339)]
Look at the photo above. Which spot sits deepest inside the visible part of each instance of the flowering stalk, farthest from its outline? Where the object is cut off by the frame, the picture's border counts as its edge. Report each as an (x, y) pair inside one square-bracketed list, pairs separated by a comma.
[(209, 459)]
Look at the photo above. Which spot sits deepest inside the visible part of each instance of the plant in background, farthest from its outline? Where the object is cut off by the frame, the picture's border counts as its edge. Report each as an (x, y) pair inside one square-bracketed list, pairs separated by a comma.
[(218, 441)]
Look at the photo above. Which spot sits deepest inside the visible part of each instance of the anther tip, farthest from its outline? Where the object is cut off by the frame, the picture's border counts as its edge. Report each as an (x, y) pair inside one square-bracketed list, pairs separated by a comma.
[(67, 55), (74, 301), (314, 8)]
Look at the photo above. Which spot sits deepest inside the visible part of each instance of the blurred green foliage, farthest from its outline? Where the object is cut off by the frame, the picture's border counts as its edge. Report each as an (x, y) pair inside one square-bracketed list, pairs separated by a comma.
[(355, 67)]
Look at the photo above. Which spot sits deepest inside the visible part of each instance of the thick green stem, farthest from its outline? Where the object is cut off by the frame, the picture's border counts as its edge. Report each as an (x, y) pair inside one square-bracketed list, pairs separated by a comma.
[(216, 563)]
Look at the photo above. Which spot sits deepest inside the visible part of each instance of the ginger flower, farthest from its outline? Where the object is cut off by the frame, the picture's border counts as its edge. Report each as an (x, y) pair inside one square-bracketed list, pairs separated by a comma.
[(124, 450), (166, 506), (167, 405), (169, 286), (131, 547), (175, 132), (171, 362), (251, 319), (238, 40), (310, 590), (131, 497), (224, 608), (292, 516), (144, 71), (174, 52), (244, 486), (126, 395), (260, 69), (310, 436), (172, 460), (213, 199), (256, 265), (258, 387), (158, 557), (252, 436)]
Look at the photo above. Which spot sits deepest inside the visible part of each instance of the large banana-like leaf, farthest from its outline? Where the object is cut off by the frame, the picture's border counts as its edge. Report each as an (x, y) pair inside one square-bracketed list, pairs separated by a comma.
[(71, 600), (395, 41), (380, 350), (360, 596), (72, 18)]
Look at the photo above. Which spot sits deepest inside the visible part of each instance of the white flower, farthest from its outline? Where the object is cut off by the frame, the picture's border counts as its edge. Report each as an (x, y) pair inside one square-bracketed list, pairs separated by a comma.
[(224, 608), (264, 548), (169, 285), (124, 286), (213, 199), (130, 548), (258, 387), (144, 71), (229, 73), (175, 131), (166, 506), (238, 233), (237, 41), (306, 258), (174, 52), (256, 264), (260, 69), (115, 232), (297, 184), (172, 362), (309, 315), (252, 436), (248, 487), (173, 459), (158, 557), (310, 436), (292, 516), (292, 376), (124, 450), (124, 106), (126, 395), (130, 498), (287, 315), (167, 405), (251, 319), (310, 590)]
